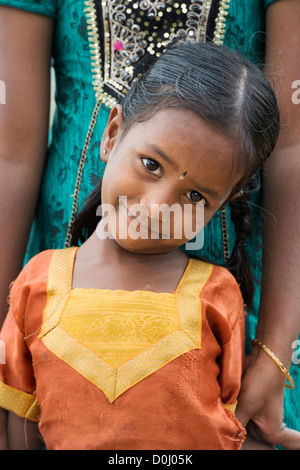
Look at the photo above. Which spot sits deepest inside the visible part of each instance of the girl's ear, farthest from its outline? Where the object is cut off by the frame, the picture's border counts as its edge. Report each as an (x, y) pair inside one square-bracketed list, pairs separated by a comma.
[(112, 132)]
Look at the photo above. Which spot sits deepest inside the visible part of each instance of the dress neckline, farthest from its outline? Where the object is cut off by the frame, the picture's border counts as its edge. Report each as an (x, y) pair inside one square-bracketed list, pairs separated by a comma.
[(111, 380), (125, 291)]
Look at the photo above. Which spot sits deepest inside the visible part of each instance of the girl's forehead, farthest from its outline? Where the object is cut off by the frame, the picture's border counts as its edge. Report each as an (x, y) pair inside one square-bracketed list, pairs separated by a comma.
[(184, 132), (185, 122), (182, 140)]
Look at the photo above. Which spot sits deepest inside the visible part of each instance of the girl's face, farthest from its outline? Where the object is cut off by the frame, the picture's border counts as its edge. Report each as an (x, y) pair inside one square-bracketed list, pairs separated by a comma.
[(169, 171)]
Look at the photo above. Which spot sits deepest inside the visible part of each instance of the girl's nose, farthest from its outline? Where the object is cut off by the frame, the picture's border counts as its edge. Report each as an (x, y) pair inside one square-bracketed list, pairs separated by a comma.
[(157, 199)]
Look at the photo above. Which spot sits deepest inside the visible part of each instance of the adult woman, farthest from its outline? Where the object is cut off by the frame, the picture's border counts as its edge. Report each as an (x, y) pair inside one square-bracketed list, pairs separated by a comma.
[(59, 31)]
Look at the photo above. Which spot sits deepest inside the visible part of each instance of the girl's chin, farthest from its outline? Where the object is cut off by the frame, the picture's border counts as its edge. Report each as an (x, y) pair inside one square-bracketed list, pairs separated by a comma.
[(138, 240), (145, 247)]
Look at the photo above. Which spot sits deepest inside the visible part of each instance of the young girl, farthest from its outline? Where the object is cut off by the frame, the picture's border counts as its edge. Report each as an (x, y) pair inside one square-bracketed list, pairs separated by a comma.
[(125, 342)]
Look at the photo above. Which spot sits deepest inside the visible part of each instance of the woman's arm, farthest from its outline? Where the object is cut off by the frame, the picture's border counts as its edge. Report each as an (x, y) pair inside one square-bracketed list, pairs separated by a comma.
[(279, 318), (280, 304), (25, 52)]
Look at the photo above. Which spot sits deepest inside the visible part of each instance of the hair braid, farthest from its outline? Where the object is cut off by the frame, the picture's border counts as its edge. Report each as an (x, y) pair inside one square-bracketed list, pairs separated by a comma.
[(86, 222), (238, 263)]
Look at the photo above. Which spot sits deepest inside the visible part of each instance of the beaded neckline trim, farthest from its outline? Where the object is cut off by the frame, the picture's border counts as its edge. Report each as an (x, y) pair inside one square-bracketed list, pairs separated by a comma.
[(125, 34)]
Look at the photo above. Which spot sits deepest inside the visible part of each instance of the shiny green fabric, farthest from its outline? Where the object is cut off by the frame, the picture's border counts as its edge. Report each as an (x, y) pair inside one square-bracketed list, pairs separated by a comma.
[(75, 103)]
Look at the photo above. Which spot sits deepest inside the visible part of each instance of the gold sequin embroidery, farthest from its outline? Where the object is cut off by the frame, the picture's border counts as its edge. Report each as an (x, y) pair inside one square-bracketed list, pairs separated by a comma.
[(124, 34)]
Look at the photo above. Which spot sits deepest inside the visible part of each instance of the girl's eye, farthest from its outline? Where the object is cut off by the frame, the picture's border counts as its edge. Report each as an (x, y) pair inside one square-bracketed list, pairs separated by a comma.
[(196, 197), (152, 166)]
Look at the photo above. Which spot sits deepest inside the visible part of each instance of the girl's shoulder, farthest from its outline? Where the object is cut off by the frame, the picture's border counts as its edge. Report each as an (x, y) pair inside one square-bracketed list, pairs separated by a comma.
[(221, 295), (41, 262), (38, 265), (29, 291), (218, 278), (34, 275), (223, 278)]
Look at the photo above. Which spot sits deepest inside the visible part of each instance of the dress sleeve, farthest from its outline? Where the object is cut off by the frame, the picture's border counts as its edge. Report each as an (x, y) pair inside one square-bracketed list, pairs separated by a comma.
[(231, 364), (17, 383), (225, 313), (42, 7)]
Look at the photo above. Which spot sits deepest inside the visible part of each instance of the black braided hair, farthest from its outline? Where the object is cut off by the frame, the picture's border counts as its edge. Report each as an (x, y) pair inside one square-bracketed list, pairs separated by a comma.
[(238, 263), (87, 220)]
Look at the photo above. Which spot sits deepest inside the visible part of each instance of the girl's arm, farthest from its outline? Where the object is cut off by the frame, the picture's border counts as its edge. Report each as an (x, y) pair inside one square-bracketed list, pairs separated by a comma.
[(25, 51), (279, 318), (3, 429), (23, 434), (17, 433)]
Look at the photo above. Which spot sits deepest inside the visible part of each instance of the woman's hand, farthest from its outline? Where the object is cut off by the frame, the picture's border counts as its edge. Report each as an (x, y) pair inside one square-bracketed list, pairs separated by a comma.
[(260, 403)]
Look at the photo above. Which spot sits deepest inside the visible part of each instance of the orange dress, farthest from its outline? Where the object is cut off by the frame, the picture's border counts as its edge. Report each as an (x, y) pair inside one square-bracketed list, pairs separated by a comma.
[(122, 370)]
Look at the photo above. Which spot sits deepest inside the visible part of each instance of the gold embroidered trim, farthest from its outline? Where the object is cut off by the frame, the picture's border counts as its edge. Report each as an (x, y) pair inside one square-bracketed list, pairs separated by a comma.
[(223, 12), (22, 404), (113, 381), (75, 195), (93, 37), (59, 287), (196, 25)]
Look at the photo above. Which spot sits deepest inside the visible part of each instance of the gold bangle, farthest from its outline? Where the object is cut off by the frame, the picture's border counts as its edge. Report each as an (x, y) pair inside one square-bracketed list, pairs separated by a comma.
[(276, 360)]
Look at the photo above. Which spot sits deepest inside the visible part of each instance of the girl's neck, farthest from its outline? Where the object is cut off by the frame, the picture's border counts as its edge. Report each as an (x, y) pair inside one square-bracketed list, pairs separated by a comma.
[(102, 265), (107, 250)]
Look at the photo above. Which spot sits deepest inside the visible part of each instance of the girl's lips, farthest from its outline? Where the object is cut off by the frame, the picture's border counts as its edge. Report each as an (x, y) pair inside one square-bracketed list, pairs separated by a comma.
[(138, 221), (143, 224)]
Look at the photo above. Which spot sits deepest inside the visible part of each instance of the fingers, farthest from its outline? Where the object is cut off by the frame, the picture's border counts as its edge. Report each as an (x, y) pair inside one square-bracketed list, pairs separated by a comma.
[(261, 402), (252, 444), (248, 406), (242, 416), (284, 437), (287, 438)]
